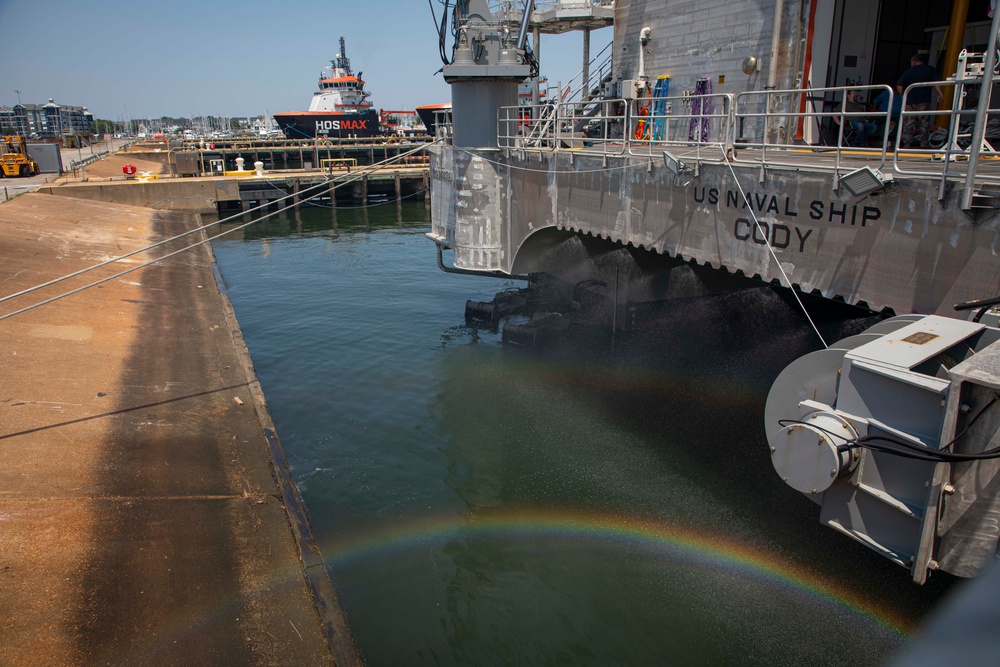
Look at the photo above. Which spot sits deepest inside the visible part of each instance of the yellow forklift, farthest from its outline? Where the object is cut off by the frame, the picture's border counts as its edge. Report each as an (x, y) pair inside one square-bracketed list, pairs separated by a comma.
[(14, 160)]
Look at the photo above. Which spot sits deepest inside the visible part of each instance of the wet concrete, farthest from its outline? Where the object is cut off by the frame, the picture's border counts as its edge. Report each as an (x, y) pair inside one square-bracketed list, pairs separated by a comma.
[(141, 516)]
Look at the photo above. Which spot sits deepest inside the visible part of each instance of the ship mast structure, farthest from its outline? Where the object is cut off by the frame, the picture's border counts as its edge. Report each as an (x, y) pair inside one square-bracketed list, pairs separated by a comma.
[(487, 64)]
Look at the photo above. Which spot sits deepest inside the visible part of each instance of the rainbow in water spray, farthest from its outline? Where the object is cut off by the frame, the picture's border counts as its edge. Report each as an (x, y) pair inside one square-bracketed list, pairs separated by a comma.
[(670, 542)]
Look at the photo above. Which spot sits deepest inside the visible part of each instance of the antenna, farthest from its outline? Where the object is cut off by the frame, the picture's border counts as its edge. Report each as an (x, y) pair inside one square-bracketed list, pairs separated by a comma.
[(342, 58)]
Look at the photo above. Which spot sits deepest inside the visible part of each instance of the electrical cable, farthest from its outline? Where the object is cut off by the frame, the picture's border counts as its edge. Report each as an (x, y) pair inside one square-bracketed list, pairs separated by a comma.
[(531, 61), (357, 176), (889, 444), (442, 35)]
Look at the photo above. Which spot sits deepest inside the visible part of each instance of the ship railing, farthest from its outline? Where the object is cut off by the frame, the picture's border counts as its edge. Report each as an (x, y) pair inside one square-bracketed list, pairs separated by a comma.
[(762, 128), (770, 126), (947, 148), (774, 124), (700, 122), (545, 5), (442, 126), (503, 7), (548, 127), (599, 68)]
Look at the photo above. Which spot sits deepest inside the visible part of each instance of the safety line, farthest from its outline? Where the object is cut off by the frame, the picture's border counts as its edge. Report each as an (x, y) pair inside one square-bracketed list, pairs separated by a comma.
[(372, 168), (357, 176), (774, 255), (309, 201), (742, 194), (554, 171)]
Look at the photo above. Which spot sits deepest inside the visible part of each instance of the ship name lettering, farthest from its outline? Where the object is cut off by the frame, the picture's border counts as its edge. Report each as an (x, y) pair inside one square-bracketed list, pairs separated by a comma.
[(834, 212), (341, 125), (778, 235), (757, 201)]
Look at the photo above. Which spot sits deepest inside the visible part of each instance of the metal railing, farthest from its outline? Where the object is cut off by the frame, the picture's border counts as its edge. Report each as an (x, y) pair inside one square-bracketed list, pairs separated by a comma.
[(553, 127), (90, 159), (702, 122), (765, 129), (443, 126), (948, 146), (769, 121), (599, 69), (500, 6)]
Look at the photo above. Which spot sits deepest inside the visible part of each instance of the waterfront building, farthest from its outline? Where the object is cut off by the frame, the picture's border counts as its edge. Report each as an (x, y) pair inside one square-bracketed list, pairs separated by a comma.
[(47, 121)]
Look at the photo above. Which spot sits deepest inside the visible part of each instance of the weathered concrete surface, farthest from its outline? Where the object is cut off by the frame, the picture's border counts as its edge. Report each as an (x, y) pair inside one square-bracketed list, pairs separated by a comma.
[(189, 195), (140, 519), (111, 166)]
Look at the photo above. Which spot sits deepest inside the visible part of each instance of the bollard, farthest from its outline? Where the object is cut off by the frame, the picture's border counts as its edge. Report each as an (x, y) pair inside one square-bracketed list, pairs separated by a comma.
[(259, 167)]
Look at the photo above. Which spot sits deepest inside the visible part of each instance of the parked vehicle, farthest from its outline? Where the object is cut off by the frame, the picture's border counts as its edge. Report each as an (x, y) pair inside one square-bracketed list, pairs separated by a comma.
[(14, 160)]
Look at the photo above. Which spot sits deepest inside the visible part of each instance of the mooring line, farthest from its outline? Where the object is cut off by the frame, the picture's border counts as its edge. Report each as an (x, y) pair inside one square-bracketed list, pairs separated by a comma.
[(770, 248), (514, 167), (357, 176), (309, 201)]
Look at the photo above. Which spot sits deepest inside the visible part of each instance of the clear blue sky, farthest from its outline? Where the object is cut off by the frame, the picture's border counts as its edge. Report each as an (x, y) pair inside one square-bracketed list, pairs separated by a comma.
[(228, 57)]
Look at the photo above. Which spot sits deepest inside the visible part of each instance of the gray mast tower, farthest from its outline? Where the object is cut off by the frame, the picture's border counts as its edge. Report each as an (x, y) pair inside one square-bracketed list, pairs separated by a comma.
[(489, 62)]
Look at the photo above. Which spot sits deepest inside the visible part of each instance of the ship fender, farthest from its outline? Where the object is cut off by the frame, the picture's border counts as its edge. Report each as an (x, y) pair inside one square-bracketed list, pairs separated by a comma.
[(481, 311)]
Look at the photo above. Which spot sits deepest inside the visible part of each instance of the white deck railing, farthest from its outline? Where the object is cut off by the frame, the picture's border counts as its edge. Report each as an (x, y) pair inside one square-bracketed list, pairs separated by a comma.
[(761, 128)]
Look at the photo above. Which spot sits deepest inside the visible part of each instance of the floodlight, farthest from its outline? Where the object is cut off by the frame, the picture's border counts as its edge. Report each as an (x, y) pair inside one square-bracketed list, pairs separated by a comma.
[(864, 181), (674, 164)]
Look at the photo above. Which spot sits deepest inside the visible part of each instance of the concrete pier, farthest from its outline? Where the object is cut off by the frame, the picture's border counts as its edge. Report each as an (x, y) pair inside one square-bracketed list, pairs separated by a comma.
[(146, 512), (230, 193)]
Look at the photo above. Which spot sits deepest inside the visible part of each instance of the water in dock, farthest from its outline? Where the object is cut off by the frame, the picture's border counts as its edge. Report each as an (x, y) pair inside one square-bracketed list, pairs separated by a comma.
[(478, 504)]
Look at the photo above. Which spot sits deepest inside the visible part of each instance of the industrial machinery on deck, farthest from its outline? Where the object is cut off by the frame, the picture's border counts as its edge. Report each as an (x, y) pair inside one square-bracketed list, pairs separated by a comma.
[(895, 433), (14, 160)]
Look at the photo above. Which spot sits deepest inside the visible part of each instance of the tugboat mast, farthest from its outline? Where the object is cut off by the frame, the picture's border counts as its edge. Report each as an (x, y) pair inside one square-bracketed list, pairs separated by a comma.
[(342, 60)]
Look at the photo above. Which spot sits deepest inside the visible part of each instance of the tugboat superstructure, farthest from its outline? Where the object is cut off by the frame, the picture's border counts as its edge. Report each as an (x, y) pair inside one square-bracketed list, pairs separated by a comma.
[(339, 109)]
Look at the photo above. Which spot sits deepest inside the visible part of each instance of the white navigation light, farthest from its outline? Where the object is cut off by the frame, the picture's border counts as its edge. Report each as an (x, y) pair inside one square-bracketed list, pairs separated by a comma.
[(864, 181)]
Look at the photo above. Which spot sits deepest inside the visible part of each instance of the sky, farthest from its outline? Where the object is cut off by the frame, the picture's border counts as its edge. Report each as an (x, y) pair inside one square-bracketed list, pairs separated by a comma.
[(229, 58)]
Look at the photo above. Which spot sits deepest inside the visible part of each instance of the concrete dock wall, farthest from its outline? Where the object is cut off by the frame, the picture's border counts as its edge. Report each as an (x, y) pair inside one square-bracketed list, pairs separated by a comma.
[(185, 195), (239, 192), (141, 516)]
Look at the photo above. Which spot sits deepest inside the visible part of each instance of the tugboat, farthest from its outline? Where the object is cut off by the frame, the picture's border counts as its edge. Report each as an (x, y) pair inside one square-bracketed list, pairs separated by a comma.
[(340, 108)]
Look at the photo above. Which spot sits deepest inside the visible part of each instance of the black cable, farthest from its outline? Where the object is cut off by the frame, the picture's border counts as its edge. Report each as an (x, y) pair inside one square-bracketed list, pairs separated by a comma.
[(889, 444), (529, 57), (442, 34)]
